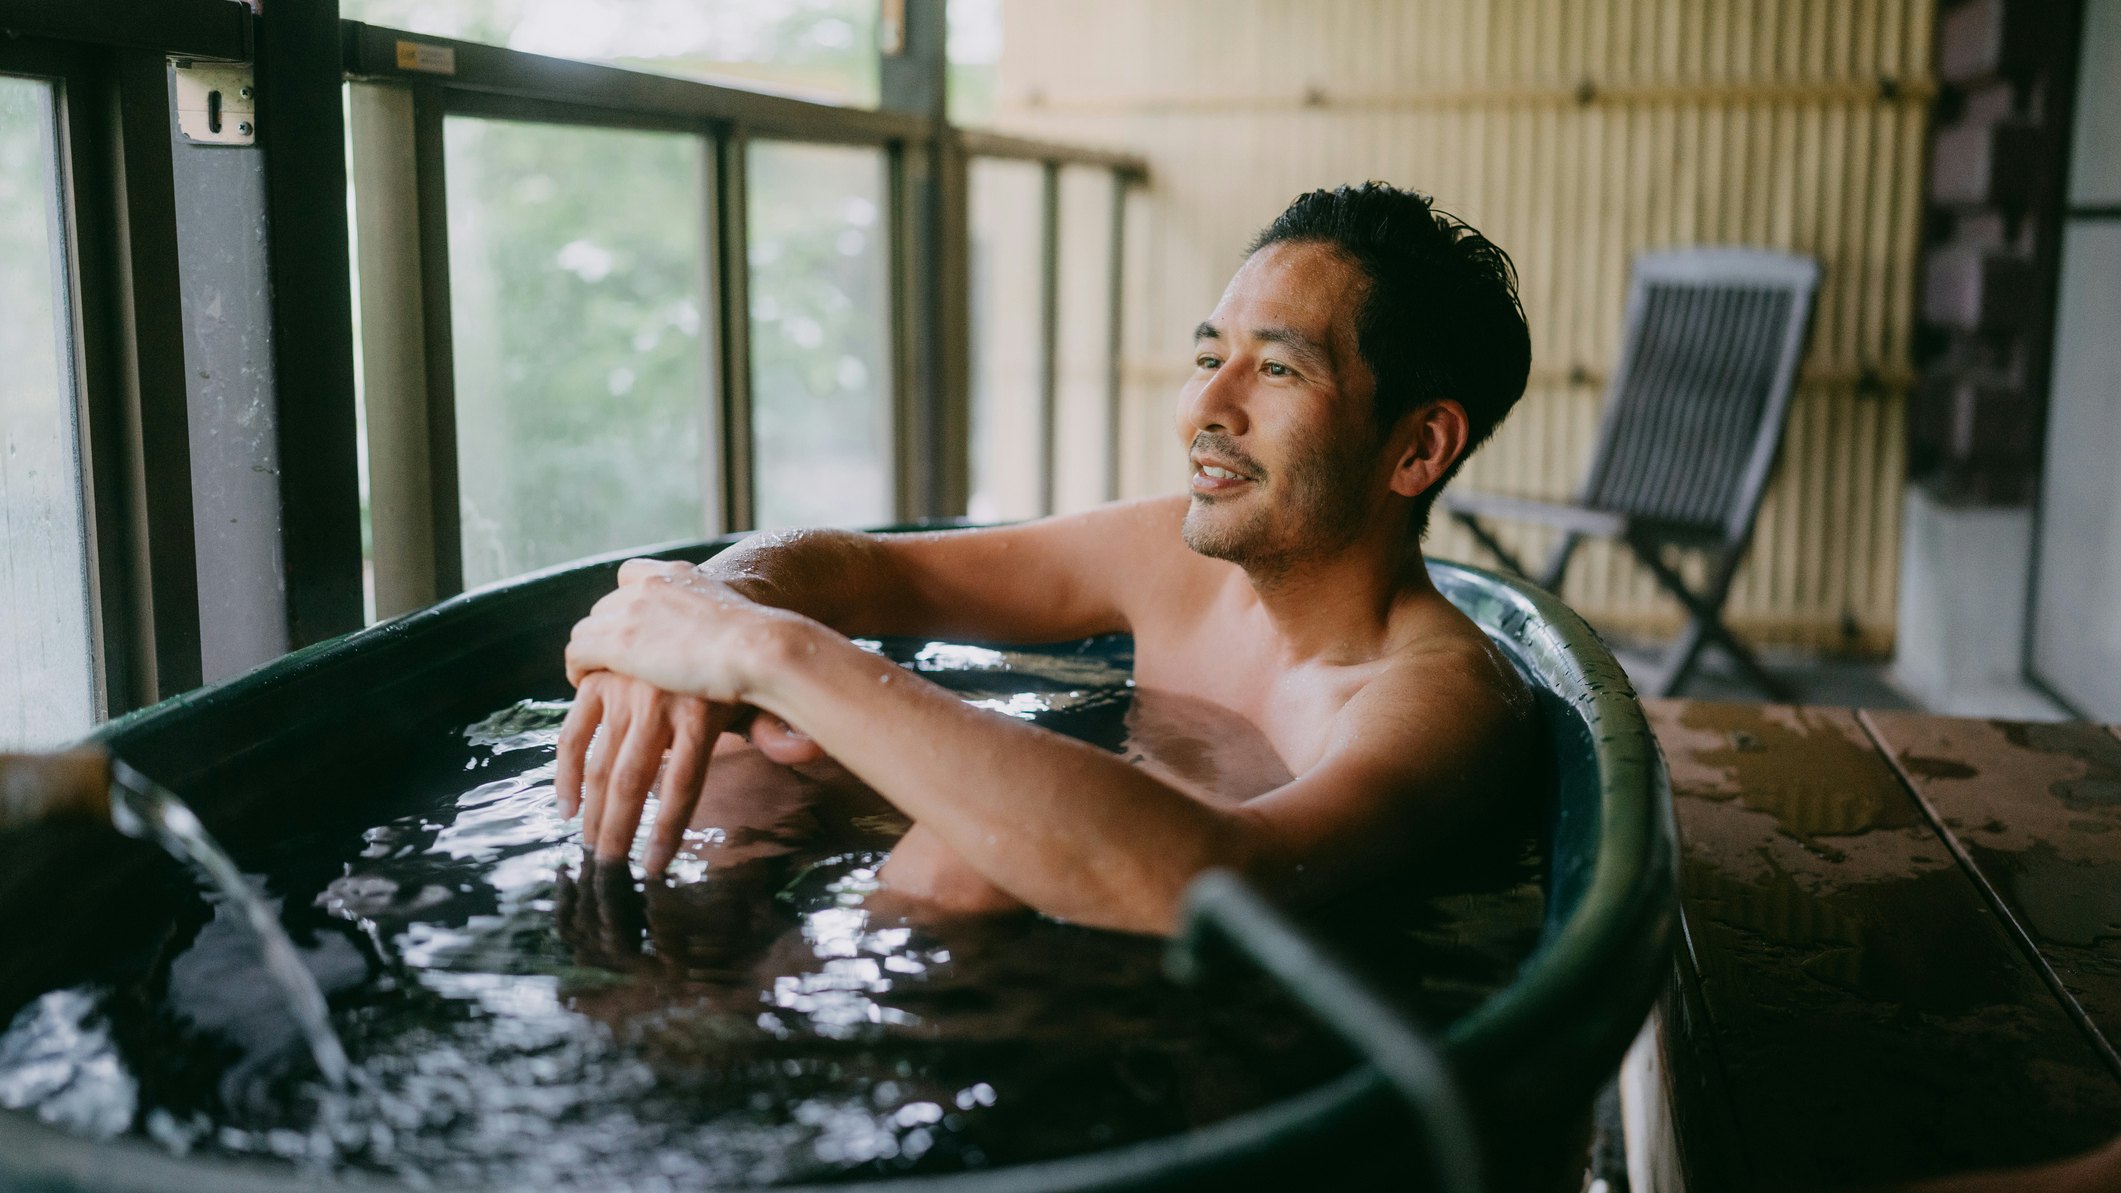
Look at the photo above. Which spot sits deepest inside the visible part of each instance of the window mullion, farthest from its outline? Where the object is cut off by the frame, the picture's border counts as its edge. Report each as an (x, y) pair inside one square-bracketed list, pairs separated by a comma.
[(714, 447), (732, 299), (911, 455), (1049, 337), (150, 323), (393, 346), (1115, 325), (431, 167), (301, 113), (83, 104)]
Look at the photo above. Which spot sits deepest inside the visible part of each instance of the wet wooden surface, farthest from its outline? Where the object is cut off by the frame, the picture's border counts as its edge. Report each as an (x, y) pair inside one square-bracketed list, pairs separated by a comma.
[(2035, 811), (1869, 1014)]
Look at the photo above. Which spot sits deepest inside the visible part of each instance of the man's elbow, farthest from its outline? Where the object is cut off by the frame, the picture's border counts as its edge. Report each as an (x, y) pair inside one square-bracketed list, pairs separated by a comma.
[(1154, 900)]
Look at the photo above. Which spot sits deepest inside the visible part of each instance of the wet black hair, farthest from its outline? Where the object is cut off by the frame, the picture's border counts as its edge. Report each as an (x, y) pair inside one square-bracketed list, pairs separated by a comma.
[(1440, 318)]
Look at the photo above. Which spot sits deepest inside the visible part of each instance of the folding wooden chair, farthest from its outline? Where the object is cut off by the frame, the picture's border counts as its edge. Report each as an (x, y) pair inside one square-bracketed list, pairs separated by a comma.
[(1691, 427)]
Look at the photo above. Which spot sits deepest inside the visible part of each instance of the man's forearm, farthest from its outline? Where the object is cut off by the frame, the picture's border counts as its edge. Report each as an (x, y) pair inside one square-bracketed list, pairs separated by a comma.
[(1059, 824), (1046, 581), (837, 577)]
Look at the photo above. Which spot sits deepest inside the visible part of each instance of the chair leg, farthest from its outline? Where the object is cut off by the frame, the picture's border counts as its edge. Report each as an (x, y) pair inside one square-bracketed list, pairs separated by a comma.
[(1742, 655), (1704, 623), (1487, 539), (1679, 660)]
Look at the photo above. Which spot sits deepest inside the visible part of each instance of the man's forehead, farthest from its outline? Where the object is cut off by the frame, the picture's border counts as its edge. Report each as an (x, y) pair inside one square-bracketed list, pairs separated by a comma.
[(1288, 291)]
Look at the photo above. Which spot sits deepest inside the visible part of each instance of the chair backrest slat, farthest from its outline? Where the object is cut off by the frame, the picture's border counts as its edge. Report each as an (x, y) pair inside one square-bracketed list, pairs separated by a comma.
[(1697, 406)]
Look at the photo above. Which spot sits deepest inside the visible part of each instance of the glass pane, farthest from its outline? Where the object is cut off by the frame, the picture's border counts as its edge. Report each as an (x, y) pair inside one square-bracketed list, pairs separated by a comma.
[(824, 50), (47, 661), (820, 335), (975, 53), (2076, 627), (1082, 420), (578, 266), (1007, 438)]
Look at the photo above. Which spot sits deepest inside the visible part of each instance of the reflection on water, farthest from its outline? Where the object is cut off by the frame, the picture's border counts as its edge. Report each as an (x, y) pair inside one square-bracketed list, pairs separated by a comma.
[(517, 1016)]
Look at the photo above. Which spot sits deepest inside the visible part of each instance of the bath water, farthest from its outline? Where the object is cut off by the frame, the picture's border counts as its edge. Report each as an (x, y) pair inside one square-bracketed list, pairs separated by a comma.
[(518, 1016)]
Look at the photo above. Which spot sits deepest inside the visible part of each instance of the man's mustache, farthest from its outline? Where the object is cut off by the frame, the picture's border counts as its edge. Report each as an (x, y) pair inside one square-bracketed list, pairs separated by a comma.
[(1226, 448)]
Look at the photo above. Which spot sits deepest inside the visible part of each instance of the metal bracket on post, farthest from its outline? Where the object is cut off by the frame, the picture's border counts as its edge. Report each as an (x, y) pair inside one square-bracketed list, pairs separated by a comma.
[(217, 102)]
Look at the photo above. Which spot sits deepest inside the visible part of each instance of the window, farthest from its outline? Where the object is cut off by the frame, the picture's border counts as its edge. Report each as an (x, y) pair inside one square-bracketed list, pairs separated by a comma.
[(578, 265), (565, 332), (821, 332), (975, 51), (47, 660), (1008, 435)]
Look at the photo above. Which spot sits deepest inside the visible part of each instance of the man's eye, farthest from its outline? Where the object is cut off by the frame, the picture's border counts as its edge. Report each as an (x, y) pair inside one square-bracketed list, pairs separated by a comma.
[(1207, 362), (1277, 369)]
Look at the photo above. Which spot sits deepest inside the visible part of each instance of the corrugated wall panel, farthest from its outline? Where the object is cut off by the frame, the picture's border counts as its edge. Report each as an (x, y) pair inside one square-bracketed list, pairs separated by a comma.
[(1575, 134)]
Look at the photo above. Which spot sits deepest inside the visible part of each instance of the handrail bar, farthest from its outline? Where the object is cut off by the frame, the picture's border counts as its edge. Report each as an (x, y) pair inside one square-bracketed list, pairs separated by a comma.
[(1223, 913)]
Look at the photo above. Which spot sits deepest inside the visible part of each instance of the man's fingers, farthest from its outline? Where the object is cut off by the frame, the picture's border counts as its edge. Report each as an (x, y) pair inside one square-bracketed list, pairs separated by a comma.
[(683, 774), (633, 771), (576, 732), (596, 772), (633, 571)]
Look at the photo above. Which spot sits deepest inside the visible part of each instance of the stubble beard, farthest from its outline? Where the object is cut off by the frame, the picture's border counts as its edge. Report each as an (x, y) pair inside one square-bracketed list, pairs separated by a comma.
[(1324, 498)]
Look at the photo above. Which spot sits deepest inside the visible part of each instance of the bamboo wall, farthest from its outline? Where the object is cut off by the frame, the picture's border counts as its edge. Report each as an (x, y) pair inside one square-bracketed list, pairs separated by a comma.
[(1574, 134)]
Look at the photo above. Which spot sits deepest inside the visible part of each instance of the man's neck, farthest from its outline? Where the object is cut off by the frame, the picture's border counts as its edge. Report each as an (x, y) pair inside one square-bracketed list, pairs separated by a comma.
[(1340, 608)]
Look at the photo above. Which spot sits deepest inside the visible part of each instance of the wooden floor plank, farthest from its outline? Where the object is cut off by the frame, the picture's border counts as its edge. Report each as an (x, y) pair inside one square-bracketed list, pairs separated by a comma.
[(2036, 809), (1875, 1018)]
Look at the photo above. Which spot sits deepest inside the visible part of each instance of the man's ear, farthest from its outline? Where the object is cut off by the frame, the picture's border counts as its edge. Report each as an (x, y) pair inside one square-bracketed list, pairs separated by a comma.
[(1431, 438)]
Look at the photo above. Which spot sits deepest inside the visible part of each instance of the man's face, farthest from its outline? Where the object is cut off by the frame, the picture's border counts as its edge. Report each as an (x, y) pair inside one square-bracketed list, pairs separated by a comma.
[(1277, 415)]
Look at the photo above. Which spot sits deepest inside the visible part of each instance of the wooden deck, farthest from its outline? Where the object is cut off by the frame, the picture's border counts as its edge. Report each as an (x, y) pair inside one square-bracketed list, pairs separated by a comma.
[(1902, 945)]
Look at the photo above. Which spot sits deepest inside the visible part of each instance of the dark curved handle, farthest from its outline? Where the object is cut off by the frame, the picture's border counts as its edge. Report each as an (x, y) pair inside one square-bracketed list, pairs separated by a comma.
[(1222, 910)]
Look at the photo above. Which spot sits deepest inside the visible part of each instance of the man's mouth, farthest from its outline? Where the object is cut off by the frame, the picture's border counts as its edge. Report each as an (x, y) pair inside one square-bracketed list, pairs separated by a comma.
[(1211, 480)]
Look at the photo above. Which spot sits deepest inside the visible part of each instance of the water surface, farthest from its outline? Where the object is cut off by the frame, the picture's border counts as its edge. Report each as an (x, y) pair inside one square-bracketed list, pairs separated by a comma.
[(516, 1016)]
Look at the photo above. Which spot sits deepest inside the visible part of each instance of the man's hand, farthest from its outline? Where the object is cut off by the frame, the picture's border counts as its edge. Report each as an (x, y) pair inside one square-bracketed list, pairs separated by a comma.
[(614, 741), (684, 632), (612, 748)]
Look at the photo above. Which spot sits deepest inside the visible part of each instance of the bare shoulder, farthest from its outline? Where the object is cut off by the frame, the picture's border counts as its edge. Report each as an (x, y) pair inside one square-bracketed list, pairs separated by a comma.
[(1445, 719), (1450, 690), (1433, 762)]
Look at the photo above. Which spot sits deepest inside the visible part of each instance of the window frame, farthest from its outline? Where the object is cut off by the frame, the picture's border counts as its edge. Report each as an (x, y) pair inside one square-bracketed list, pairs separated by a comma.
[(126, 338), (926, 165)]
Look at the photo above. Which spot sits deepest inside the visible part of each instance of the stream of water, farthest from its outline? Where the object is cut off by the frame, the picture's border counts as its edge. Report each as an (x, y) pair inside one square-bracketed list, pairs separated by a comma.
[(143, 808)]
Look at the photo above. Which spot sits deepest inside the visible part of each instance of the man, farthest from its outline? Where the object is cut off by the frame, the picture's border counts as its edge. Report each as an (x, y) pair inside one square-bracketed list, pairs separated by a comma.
[(1367, 344)]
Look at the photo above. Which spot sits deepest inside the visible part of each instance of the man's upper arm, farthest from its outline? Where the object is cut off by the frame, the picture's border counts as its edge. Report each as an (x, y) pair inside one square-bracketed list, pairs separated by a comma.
[(1043, 581)]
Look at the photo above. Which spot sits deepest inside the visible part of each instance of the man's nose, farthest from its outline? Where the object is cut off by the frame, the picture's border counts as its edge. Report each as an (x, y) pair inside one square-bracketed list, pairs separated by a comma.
[(1218, 404)]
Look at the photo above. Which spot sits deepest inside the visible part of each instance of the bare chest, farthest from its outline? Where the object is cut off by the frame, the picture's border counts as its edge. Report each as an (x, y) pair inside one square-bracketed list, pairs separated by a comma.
[(1293, 708)]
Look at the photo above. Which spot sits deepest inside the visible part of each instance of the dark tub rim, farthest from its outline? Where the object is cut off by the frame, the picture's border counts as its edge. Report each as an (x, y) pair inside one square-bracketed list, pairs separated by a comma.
[(1576, 1004)]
